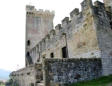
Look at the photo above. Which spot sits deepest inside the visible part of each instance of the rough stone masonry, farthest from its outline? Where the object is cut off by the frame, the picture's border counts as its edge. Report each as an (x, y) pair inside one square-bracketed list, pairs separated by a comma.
[(78, 49)]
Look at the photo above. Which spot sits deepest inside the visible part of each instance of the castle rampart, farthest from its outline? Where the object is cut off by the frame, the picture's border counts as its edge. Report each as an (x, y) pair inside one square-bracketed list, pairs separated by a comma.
[(75, 27), (85, 37), (63, 72), (69, 27)]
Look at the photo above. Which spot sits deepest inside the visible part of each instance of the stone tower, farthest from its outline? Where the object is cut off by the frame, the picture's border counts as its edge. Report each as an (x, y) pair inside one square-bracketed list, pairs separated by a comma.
[(38, 25)]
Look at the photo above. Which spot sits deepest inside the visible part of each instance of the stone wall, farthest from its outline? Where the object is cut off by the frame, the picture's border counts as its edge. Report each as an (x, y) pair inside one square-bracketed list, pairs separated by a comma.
[(29, 76), (38, 25), (66, 71), (104, 36), (77, 33), (87, 37)]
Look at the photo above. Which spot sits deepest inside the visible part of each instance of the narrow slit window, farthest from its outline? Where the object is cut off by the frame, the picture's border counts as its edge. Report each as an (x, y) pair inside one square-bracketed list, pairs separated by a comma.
[(28, 43), (111, 24)]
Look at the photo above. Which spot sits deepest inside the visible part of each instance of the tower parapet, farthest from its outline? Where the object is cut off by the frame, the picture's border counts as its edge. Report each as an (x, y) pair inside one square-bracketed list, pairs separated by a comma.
[(32, 10)]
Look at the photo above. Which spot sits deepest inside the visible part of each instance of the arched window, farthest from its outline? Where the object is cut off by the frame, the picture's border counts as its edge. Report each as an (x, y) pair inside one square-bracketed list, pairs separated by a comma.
[(52, 55), (29, 58), (28, 54), (28, 43)]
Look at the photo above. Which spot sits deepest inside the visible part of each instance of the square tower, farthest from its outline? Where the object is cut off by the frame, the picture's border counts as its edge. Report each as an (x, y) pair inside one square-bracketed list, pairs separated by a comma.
[(38, 25)]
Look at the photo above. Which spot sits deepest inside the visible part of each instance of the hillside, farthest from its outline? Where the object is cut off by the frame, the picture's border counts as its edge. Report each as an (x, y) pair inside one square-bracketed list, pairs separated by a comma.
[(103, 81)]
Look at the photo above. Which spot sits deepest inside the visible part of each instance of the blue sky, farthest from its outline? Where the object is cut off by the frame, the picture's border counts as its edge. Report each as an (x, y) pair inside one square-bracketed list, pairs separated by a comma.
[(12, 27), (4, 75)]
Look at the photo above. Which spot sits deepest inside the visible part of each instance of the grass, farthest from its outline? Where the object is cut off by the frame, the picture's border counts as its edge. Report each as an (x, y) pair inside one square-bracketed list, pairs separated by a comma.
[(103, 81)]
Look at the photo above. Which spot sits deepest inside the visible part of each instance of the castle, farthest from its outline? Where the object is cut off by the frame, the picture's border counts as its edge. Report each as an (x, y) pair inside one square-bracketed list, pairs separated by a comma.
[(78, 49)]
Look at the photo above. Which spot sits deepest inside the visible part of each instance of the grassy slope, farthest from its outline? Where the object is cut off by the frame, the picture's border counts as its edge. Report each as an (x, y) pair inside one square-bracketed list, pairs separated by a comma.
[(103, 81), (2, 85)]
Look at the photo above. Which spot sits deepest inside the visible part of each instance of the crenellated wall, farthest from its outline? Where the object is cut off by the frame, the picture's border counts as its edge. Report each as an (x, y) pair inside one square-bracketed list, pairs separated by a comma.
[(82, 43), (79, 34), (72, 33)]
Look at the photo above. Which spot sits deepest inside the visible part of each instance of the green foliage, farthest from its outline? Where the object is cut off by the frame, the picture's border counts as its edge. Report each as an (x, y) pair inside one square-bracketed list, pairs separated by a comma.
[(2, 85), (103, 81)]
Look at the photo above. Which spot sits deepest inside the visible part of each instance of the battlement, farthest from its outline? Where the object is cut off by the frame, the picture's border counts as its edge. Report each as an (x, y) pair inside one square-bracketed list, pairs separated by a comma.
[(65, 22), (76, 18), (82, 41), (98, 3), (86, 4), (31, 10), (74, 12), (58, 26), (77, 21)]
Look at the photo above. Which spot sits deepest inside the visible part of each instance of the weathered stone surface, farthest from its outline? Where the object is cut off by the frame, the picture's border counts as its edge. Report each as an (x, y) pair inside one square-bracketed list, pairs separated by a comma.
[(29, 76), (38, 25), (67, 71), (86, 34)]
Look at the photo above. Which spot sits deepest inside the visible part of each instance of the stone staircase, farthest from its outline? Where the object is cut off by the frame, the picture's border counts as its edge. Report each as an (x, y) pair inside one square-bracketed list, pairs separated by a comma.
[(39, 75)]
